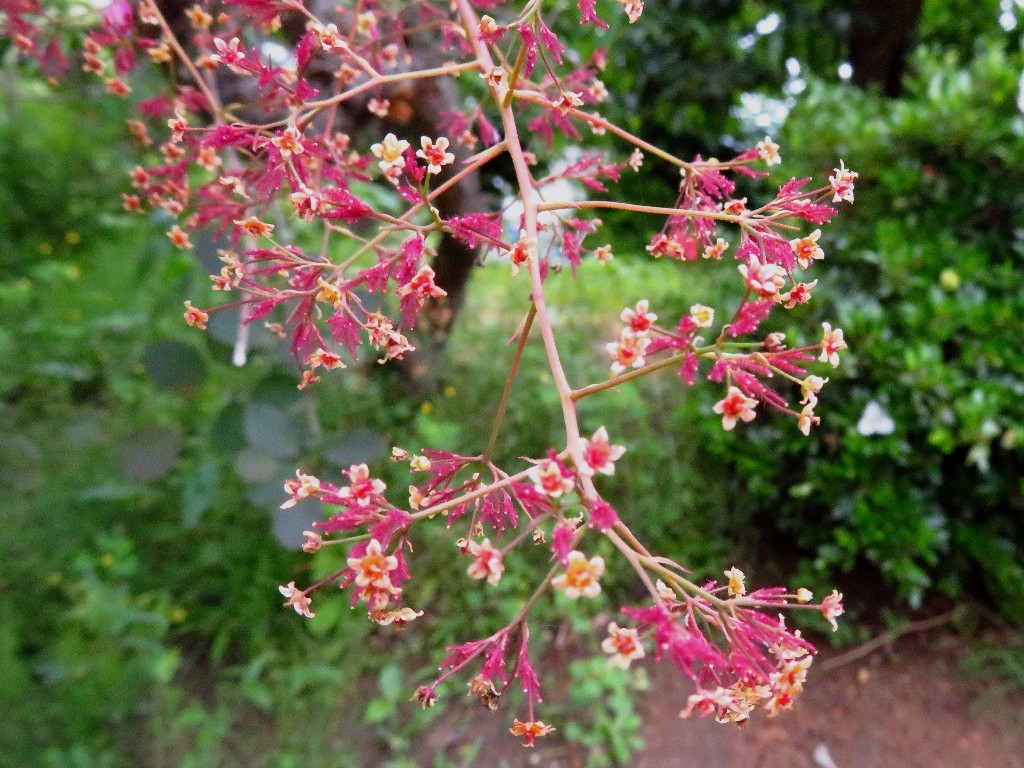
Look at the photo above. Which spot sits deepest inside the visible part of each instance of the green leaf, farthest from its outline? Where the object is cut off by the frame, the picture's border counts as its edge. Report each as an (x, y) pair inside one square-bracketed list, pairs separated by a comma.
[(356, 446), (270, 429), (378, 710), (199, 485), (149, 453), (174, 364), (165, 666)]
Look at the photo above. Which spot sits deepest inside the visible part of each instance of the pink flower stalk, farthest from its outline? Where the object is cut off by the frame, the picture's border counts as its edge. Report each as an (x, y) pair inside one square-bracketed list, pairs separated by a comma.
[(229, 172)]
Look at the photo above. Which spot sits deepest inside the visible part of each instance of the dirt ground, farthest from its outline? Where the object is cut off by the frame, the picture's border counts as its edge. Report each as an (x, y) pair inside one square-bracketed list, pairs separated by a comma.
[(910, 707)]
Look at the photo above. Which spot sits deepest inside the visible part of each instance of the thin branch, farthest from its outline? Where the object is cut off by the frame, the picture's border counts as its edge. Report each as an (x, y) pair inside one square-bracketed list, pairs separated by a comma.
[(890, 636)]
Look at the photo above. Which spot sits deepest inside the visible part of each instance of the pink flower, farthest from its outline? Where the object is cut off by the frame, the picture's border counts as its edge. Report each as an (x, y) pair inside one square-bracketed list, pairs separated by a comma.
[(807, 419), (289, 142), (842, 183), (598, 455), (426, 696), (831, 344), (227, 54), (302, 487), (520, 253), (373, 567), (312, 542), (581, 577), (487, 562), (399, 618), (362, 487), (391, 151), (768, 151), (297, 599), (603, 254), (798, 294), (702, 316), (497, 79), (422, 285), (832, 607), (806, 249), (435, 153), (255, 227), (329, 36), (623, 645), (709, 702), (567, 102), (327, 359), (737, 582), (639, 320), (530, 730), (809, 389), (735, 406), (196, 317), (633, 9), (764, 279), (378, 106), (627, 352), (179, 237), (668, 246), (489, 30), (547, 478), (716, 250), (736, 206), (306, 202), (178, 125)]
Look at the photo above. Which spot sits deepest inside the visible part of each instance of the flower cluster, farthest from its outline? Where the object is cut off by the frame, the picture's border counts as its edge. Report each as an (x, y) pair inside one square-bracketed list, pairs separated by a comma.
[(247, 146)]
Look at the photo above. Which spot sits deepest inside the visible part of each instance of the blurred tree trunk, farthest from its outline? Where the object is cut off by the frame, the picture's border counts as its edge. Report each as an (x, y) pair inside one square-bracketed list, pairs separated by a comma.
[(880, 32)]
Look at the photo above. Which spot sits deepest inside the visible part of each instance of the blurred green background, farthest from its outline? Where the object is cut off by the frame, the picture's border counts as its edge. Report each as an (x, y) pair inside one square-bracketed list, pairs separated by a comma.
[(141, 473)]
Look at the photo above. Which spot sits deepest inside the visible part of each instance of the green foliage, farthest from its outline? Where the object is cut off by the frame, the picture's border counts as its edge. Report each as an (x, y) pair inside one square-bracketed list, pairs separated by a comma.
[(927, 280), (86, 682), (1000, 663), (611, 728)]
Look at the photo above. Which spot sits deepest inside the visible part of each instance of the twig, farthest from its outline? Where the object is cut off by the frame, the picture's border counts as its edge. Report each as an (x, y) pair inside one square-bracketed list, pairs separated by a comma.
[(884, 639)]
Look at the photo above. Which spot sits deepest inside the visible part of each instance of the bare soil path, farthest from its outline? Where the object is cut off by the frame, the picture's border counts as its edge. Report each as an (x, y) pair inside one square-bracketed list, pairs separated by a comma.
[(914, 708)]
